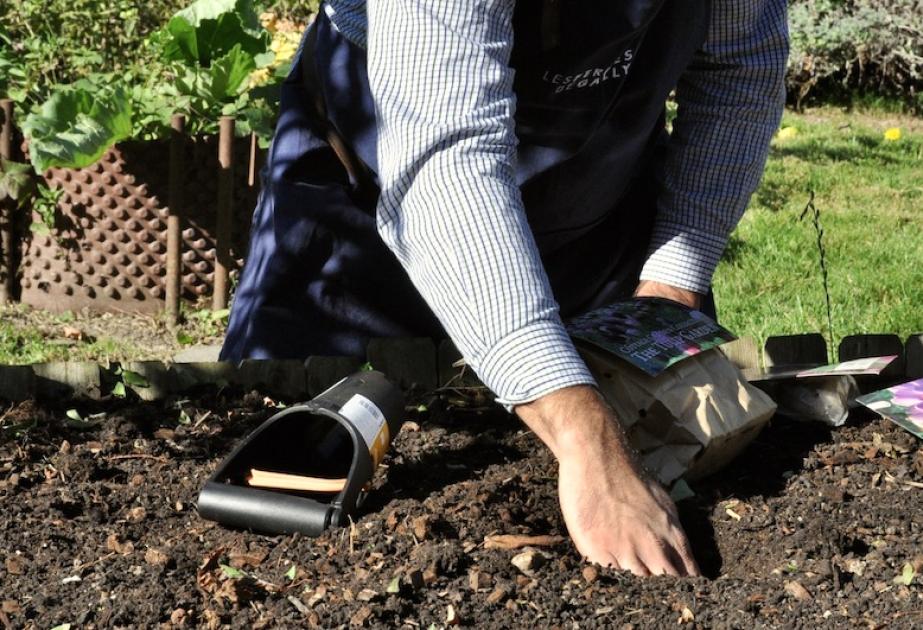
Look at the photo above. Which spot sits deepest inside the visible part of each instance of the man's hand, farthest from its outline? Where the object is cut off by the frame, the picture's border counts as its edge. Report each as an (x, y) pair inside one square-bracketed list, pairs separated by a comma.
[(615, 514), (650, 288)]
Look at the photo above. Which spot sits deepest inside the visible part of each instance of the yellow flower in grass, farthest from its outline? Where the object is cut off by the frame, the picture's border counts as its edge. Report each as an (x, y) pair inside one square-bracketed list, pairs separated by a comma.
[(787, 133), (893, 134)]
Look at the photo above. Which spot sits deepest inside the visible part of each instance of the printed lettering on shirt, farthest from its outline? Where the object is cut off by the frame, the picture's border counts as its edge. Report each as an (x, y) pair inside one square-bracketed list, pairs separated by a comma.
[(591, 77)]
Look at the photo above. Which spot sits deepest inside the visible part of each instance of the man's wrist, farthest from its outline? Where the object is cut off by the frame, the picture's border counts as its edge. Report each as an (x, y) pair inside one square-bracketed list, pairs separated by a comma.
[(653, 288), (573, 419)]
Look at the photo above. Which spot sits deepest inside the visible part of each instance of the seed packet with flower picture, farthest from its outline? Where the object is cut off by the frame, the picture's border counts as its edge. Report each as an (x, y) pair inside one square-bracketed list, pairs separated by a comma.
[(902, 404), (650, 333)]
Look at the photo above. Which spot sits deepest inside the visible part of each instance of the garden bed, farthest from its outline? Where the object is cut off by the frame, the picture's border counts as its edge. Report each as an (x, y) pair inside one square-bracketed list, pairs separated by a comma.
[(810, 526)]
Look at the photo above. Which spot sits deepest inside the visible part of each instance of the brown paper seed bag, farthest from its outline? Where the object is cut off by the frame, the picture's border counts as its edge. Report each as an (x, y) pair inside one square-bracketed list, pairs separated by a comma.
[(688, 421)]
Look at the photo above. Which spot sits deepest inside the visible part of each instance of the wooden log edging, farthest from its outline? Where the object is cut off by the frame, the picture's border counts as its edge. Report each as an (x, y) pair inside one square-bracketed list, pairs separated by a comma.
[(413, 362)]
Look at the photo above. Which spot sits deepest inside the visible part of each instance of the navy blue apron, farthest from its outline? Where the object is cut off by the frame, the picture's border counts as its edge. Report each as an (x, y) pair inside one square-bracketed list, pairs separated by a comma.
[(592, 77)]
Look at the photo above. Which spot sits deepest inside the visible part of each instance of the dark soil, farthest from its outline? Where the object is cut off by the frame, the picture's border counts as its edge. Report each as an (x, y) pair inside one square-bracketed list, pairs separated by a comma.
[(809, 528)]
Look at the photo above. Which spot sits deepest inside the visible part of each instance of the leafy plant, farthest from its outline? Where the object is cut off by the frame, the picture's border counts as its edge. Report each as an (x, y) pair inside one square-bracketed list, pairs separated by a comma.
[(76, 126), (16, 181)]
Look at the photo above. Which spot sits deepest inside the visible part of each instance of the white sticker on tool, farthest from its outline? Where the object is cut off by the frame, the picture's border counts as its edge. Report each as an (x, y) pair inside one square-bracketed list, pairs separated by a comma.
[(366, 416)]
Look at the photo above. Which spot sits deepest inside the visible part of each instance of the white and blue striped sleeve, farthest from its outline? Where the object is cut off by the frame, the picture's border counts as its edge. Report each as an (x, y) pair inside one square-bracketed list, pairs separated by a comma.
[(730, 101), (450, 208)]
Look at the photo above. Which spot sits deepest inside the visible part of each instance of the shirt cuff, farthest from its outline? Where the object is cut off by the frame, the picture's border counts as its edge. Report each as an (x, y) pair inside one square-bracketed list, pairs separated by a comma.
[(531, 362), (683, 257)]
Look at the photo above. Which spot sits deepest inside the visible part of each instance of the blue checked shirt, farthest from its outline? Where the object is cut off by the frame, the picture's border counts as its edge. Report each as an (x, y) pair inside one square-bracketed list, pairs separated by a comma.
[(450, 208)]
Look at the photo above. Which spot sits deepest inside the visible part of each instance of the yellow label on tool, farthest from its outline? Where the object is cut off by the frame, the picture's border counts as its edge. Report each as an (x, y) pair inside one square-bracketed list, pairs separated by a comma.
[(371, 423)]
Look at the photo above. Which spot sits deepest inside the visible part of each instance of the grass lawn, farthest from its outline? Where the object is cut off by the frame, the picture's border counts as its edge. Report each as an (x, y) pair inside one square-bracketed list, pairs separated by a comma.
[(870, 195)]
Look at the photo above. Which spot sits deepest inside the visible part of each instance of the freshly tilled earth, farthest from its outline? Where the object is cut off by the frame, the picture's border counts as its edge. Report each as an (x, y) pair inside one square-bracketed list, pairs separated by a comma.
[(810, 527)]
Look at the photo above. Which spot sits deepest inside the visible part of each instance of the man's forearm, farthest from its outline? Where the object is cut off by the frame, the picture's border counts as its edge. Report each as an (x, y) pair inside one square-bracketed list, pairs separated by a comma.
[(450, 207)]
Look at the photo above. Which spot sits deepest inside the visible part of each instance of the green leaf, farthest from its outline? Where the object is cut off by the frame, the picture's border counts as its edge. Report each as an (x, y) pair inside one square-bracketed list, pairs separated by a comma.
[(184, 417), (366, 367), (227, 76), (74, 415), (220, 315), (906, 576), (394, 586), (134, 379), (209, 29), (231, 572), (39, 228), (118, 390), (76, 126), (16, 181), (291, 573), (184, 338)]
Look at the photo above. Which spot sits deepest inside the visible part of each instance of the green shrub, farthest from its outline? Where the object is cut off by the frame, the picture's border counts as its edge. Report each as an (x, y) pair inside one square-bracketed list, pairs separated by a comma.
[(844, 47), (61, 41)]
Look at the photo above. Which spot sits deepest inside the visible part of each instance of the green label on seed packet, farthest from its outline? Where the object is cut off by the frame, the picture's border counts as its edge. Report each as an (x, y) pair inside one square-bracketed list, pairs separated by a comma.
[(901, 404), (650, 333)]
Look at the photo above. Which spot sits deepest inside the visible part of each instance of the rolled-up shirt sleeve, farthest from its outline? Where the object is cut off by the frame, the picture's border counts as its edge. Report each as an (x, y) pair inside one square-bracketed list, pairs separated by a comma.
[(450, 208), (729, 101)]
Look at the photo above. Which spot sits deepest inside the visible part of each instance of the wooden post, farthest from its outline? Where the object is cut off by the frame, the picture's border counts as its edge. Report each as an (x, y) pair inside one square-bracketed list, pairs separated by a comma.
[(174, 229), (6, 208), (225, 204), (790, 350)]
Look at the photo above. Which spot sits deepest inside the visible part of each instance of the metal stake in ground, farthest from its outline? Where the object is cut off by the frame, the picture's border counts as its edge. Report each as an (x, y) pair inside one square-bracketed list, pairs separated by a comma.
[(225, 203), (174, 239), (6, 208)]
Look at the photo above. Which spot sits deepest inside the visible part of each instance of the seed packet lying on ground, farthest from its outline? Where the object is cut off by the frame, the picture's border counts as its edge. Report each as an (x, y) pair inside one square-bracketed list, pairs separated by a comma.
[(650, 333), (870, 365), (902, 404)]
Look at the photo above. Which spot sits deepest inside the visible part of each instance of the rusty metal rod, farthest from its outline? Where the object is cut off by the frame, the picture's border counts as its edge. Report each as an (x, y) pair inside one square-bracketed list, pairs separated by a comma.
[(225, 204), (7, 217), (174, 229)]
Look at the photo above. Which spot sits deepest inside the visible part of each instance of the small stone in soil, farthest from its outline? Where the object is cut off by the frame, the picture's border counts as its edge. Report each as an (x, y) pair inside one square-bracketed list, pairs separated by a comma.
[(178, 617), (451, 617), (528, 561), (796, 590)]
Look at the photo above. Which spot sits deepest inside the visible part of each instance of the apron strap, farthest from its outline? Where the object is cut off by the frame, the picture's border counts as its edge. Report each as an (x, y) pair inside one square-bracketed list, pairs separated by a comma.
[(366, 188)]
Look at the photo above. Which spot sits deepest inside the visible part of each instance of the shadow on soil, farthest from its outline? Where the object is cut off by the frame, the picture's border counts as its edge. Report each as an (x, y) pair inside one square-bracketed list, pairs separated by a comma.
[(761, 470)]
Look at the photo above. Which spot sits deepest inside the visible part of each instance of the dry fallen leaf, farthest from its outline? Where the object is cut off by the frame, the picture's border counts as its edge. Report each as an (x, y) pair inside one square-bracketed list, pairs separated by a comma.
[(122, 548), (590, 573), (497, 595), (72, 332), (362, 615), (156, 557), (421, 527), (514, 541)]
